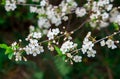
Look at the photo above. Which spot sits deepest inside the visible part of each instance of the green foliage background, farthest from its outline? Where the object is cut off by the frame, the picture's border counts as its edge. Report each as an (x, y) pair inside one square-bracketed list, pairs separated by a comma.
[(14, 26)]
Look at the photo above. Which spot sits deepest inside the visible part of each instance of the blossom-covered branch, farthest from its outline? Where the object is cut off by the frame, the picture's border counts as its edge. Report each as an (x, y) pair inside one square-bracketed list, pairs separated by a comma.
[(88, 45), (98, 14)]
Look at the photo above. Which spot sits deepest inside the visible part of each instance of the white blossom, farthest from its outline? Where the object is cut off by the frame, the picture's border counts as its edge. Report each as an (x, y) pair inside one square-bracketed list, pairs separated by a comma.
[(103, 24), (102, 43), (105, 16), (52, 33), (56, 20), (34, 51), (118, 19), (43, 23), (17, 53), (33, 43), (80, 12), (114, 13), (91, 53), (110, 44), (33, 9), (33, 48), (65, 18), (10, 5), (109, 7), (43, 3), (18, 56), (67, 46), (87, 44), (31, 28), (77, 58), (37, 35)]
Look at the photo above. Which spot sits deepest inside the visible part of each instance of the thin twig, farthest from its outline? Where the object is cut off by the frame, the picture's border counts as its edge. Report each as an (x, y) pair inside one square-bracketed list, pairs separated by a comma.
[(28, 4), (71, 31), (115, 33), (81, 25), (49, 40)]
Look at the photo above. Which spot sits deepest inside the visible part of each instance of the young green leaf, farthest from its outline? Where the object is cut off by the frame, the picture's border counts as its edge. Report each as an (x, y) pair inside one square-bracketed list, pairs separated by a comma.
[(8, 50), (58, 50), (4, 46), (10, 55), (116, 26), (3, 2)]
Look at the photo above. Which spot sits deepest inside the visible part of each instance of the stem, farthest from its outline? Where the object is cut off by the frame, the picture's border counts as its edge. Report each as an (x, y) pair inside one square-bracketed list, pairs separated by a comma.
[(71, 31), (115, 33), (81, 25), (28, 4), (49, 40)]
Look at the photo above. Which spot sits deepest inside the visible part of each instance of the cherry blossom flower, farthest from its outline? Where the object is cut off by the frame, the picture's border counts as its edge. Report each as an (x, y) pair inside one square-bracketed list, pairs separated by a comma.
[(80, 12), (110, 44), (77, 58), (67, 46)]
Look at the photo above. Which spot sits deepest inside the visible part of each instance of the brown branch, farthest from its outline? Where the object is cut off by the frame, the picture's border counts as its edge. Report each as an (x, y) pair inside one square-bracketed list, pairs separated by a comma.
[(115, 33), (70, 32)]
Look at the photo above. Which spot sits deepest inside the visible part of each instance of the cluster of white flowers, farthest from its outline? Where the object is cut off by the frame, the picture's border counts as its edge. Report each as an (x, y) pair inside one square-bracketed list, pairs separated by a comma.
[(50, 14), (87, 46), (114, 15), (43, 23), (17, 53), (18, 56), (33, 48), (68, 46), (35, 35), (80, 12), (67, 6), (43, 3), (10, 5), (52, 33), (100, 12), (110, 43), (77, 58)]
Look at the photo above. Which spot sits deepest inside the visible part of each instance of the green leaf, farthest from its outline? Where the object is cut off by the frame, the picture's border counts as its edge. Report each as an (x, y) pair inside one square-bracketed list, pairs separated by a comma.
[(63, 57), (8, 50), (58, 50), (10, 55), (116, 26), (4, 46), (3, 2)]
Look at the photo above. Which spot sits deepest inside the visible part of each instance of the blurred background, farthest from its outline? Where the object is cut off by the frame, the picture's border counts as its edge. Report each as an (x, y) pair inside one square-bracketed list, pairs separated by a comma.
[(15, 25)]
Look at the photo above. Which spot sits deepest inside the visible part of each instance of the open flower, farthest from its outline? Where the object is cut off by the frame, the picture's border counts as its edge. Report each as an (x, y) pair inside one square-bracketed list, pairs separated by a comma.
[(77, 58), (110, 44), (67, 46), (91, 53)]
